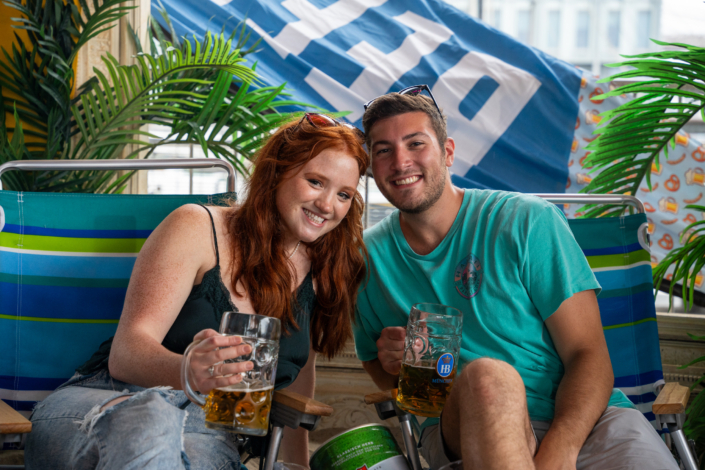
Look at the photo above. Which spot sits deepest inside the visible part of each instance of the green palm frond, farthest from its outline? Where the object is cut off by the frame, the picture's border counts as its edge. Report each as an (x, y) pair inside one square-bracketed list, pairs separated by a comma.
[(687, 260), (13, 149), (189, 89), (200, 91), (234, 128), (670, 90), (38, 72)]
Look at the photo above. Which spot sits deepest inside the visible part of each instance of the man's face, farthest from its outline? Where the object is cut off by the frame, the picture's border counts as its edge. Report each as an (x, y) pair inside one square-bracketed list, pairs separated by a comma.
[(408, 164)]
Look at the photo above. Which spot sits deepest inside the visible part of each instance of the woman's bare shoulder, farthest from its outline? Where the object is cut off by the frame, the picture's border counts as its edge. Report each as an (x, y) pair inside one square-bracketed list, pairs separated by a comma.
[(186, 232)]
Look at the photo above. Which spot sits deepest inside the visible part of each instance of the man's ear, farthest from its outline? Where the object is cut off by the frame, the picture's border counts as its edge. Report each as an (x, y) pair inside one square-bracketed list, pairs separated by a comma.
[(450, 151)]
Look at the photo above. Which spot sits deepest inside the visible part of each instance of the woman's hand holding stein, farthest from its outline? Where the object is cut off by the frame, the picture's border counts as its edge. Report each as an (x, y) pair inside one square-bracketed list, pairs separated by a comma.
[(208, 369)]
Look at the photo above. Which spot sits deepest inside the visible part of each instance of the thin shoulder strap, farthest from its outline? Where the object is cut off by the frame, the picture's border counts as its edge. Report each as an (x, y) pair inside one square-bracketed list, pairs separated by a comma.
[(215, 237)]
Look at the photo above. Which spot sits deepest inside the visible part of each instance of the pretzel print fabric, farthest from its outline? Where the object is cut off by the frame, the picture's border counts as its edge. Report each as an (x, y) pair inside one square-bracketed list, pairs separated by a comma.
[(675, 182)]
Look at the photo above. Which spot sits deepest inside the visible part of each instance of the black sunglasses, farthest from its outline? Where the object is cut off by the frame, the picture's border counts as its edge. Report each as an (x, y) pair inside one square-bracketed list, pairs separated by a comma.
[(414, 91), (321, 121)]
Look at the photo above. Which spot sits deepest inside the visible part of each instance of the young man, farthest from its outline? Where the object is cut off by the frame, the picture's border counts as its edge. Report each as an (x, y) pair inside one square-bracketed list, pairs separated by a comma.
[(535, 388)]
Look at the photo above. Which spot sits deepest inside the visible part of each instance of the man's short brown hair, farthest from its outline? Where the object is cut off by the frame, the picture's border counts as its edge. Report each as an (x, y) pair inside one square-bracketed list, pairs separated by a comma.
[(394, 104)]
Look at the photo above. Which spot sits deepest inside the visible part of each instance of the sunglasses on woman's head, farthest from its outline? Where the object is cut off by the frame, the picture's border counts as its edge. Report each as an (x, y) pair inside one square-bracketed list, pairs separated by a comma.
[(413, 90), (321, 121)]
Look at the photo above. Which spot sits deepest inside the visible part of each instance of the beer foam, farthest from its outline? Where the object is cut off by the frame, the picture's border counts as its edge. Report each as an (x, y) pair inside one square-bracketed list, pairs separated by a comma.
[(239, 388)]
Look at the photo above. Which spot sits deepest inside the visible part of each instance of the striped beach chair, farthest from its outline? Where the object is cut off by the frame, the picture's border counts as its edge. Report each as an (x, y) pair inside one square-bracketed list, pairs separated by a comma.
[(617, 249), (65, 262)]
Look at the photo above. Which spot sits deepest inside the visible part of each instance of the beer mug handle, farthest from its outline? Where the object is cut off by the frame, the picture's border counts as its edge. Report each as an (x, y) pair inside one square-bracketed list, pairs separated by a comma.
[(192, 395)]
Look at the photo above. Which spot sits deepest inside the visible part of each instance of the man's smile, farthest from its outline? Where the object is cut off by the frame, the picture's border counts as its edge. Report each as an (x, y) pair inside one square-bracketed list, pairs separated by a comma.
[(407, 180)]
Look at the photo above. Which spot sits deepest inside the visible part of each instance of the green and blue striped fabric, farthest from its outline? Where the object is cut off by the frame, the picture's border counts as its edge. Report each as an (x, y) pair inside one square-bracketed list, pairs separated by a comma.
[(65, 262), (617, 252)]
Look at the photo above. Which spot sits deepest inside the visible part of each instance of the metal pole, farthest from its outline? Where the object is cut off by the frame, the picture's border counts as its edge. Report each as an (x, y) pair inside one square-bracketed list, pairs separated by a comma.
[(190, 170), (683, 449), (412, 451), (619, 199), (367, 200), (273, 450), (121, 165)]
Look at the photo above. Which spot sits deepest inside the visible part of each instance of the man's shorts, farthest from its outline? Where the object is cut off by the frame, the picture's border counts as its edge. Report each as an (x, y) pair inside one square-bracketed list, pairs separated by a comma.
[(622, 439)]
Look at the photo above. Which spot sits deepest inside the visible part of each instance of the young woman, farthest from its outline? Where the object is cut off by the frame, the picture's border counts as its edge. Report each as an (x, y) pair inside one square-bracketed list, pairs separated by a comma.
[(292, 250)]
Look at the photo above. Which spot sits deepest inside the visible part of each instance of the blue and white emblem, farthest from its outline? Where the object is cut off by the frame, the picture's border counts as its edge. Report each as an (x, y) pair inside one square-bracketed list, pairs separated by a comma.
[(444, 366)]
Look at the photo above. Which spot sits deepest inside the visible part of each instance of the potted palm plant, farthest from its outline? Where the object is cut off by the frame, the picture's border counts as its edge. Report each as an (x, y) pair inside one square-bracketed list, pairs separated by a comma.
[(201, 90)]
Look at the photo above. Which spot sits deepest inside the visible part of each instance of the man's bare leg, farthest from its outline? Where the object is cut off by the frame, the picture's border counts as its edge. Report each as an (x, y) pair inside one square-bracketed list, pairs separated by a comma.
[(486, 421)]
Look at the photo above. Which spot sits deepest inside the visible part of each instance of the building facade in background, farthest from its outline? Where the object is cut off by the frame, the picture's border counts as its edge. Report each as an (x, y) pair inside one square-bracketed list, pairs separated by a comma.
[(587, 33)]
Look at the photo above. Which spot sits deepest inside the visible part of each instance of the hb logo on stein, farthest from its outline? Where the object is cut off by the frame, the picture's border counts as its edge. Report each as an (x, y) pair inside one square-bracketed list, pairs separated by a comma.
[(444, 366)]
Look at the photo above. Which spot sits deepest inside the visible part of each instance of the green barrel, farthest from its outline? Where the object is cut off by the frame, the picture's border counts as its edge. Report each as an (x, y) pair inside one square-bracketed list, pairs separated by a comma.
[(367, 447)]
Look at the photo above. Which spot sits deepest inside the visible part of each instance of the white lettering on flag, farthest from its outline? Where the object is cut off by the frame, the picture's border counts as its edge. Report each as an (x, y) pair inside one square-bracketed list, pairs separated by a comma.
[(313, 23), (475, 137), (381, 70)]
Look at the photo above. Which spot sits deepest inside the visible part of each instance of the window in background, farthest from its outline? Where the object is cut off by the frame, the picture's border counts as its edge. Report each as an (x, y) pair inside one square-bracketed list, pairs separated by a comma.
[(582, 38), (643, 29), (607, 71), (462, 5), (523, 26), (497, 18), (181, 180), (554, 28), (613, 27)]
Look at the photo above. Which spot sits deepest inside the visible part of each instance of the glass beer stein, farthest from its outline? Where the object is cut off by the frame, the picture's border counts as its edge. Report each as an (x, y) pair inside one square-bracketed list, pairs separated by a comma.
[(431, 354), (244, 407)]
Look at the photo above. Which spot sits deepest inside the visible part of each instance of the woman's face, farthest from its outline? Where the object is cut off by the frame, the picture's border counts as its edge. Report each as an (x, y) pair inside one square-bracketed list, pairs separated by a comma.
[(315, 198)]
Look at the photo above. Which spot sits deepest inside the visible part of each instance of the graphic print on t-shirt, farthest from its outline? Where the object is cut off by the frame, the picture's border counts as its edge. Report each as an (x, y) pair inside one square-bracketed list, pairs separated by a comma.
[(468, 276)]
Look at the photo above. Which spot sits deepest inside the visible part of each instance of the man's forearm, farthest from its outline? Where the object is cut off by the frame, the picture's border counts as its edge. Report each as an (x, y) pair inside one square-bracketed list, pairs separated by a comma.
[(581, 399), (383, 379)]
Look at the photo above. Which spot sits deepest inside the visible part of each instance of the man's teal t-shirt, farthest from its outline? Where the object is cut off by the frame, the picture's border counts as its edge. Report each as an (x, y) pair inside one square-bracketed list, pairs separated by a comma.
[(508, 262)]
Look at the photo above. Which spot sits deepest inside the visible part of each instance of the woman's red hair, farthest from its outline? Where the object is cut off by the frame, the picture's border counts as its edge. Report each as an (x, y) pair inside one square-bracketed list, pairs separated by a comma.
[(337, 258)]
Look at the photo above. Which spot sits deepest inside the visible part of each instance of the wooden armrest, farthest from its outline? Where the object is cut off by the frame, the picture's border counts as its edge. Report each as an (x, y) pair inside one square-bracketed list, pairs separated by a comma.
[(672, 400), (381, 397), (11, 422), (302, 403)]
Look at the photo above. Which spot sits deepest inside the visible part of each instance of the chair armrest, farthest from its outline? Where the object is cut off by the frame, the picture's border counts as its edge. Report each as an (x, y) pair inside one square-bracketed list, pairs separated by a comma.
[(672, 400), (11, 422), (301, 403), (381, 397)]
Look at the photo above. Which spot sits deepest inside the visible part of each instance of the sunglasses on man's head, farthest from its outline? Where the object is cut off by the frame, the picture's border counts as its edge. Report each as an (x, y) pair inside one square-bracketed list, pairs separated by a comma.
[(413, 90), (321, 121)]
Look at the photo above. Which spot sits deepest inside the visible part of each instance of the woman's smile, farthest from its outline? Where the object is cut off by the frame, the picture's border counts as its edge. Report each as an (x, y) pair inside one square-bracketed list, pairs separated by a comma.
[(314, 218)]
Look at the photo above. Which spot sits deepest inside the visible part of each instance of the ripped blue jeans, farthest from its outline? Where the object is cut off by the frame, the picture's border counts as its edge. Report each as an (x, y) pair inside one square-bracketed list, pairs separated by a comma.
[(147, 431)]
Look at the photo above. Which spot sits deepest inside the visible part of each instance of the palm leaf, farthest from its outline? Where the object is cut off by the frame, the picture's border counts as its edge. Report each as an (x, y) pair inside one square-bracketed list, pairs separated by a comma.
[(37, 73), (151, 91), (688, 260), (635, 133)]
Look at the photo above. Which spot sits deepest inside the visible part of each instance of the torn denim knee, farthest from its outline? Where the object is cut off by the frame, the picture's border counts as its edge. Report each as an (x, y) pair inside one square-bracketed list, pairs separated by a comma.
[(97, 412), (151, 413)]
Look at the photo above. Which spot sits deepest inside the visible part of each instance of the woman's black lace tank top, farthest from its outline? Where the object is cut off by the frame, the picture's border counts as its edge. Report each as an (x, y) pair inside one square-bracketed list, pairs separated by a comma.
[(204, 308)]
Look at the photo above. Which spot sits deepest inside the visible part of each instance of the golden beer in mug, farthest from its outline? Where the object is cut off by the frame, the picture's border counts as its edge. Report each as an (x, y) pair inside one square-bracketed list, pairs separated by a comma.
[(422, 390), (431, 354), (227, 406), (243, 407)]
